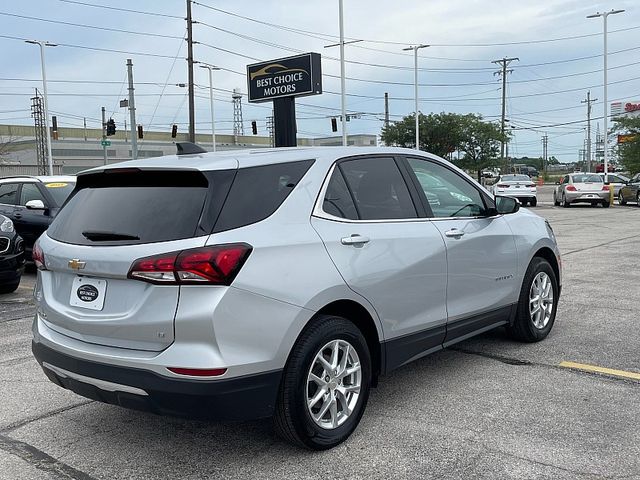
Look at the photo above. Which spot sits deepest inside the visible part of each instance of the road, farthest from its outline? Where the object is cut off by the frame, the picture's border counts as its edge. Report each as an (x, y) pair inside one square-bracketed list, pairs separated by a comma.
[(487, 408)]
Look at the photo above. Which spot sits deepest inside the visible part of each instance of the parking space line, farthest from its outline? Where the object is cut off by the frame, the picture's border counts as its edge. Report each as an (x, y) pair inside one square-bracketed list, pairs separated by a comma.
[(596, 369)]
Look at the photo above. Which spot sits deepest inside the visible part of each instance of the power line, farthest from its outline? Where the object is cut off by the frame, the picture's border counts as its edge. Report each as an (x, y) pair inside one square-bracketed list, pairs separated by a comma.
[(123, 9)]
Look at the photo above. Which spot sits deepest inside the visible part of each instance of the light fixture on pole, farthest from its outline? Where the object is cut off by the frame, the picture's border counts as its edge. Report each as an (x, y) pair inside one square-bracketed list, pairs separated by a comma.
[(604, 16), (46, 100), (415, 49), (211, 68)]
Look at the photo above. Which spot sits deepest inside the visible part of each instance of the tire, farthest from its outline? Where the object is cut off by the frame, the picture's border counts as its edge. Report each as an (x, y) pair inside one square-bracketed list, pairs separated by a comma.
[(9, 287), (606, 204), (293, 419), (621, 200), (565, 204), (533, 201), (555, 202), (524, 202), (638, 198), (528, 327), (594, 204)]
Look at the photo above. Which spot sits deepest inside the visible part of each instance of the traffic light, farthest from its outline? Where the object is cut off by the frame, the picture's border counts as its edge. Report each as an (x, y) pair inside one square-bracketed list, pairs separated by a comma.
[(334, 124), (254, 127), (111, 127), (140, 132), (174, 131)]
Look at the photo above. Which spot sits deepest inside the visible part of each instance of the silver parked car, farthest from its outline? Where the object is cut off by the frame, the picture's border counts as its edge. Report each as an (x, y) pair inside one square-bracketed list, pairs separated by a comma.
[(279, 282), (519, 186), (581, 187), (630, 192)]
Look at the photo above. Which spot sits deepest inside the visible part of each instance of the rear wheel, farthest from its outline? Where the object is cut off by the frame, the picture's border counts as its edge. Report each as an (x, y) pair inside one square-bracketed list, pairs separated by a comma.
[(533, 201), (524, 202), (537, 303), (606, 204), (325, 385), (638, 198), (621, 200)]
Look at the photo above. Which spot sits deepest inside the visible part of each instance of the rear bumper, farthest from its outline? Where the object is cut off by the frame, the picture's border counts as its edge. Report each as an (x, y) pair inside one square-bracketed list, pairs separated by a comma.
[(238, 398), (593, 196), (516, 193)]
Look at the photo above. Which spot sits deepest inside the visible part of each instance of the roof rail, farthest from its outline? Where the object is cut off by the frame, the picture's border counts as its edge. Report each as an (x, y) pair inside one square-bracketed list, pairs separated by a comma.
[(188, 148)]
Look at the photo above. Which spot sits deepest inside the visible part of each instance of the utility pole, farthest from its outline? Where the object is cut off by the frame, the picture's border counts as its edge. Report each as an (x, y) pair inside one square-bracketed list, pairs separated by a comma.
[(104, 136), (84, 122), (386, 109), (132, 111), (588, 101), (545, 142), (343, 105), (504, 62), (192, 111)]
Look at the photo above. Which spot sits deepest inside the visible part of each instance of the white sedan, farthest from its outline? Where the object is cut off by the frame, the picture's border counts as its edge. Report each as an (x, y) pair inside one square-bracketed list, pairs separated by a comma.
[(519, 186)]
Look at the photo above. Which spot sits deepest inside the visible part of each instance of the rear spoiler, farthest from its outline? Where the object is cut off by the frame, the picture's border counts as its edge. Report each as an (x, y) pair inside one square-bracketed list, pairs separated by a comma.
[(188, 148)]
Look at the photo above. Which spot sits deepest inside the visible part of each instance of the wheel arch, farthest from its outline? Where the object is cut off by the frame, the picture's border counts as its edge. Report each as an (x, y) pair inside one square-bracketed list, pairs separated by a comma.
[(550, 256)]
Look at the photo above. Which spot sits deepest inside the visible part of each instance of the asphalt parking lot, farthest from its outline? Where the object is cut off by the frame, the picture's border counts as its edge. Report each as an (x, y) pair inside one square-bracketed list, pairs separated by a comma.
[(487, 408)]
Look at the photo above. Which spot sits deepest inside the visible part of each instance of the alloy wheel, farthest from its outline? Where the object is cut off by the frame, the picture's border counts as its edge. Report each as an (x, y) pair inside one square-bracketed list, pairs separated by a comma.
[(333, 384), (541, 300)]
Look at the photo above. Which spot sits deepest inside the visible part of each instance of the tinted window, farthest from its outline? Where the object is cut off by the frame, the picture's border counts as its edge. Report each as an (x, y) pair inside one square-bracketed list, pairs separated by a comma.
[(9, 193), (132, 207), (449, 195), (257, 192), (337, 200), (30, 191), (60, 191), (515, 178), (379, 189), (587, 178)]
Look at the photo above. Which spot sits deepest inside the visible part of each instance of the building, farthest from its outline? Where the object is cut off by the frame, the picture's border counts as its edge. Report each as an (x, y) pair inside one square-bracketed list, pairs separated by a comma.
[(77, 149)]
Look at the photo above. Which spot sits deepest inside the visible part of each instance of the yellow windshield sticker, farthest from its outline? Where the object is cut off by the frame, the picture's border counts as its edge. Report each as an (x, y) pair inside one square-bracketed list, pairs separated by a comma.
[(56, 185)]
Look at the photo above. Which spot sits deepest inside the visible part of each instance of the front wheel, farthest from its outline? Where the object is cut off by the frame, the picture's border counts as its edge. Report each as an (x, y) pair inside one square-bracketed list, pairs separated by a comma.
[(621, 200), (537, 303), (555, 201), (325, 385), (638, 198), (565, 203)]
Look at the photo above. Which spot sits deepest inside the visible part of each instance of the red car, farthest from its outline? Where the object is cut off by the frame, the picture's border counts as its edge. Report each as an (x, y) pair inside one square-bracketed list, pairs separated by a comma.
[(600, 168)]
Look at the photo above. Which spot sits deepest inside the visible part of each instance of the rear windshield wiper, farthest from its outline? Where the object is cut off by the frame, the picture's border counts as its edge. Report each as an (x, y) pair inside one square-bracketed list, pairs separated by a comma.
[(97, 236)]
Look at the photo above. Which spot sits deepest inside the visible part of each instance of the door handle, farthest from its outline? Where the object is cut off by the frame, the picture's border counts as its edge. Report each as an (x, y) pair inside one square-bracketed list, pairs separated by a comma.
[(354, 239), (454, 233)]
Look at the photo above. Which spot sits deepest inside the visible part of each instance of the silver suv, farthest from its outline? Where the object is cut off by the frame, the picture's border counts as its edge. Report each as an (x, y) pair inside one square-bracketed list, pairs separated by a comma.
[(279, 282)]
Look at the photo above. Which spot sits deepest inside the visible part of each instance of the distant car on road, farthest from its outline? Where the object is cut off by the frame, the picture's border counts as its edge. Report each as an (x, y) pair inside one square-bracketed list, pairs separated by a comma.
[(631, 191), (600, 168), (615, 181), (32, 202), (581, 187), (11, 256), (519, 186)]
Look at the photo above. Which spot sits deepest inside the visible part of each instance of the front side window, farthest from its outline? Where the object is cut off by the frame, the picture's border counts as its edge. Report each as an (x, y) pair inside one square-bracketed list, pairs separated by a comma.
[(448, 194), (378, 188), (30, 191), (9, 193)]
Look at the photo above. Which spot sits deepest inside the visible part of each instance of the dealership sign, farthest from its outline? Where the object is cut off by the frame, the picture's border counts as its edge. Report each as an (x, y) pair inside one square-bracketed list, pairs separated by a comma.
[(286, 77), (626, 108)]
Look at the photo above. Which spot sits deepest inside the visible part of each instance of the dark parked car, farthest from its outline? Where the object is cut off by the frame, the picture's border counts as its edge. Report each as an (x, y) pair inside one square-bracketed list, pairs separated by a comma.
[(32, 203), (631, 191), (11, 256)]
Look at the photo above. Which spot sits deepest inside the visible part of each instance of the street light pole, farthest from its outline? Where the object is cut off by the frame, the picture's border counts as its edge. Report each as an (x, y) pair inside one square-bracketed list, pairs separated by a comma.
[(46, 99), (211, 68), (343, 105), (604, 16), (415, 49)]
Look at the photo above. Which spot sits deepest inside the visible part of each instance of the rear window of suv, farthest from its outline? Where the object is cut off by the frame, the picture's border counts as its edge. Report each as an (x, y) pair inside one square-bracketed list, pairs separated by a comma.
[(130, 207)]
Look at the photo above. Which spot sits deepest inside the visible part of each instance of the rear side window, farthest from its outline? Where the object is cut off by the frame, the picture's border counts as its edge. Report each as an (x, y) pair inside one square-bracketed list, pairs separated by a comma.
[(257, 192), (379, 189), (337, 200), (9, 193), (133, 207)]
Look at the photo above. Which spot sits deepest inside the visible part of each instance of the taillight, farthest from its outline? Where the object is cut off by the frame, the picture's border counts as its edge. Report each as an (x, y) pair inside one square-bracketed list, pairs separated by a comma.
[(571, 188), (217, 265), (605, 187), (38, 257)]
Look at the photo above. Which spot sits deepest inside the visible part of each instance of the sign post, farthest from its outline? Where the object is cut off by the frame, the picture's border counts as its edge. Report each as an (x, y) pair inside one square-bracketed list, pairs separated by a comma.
[(281, 81)]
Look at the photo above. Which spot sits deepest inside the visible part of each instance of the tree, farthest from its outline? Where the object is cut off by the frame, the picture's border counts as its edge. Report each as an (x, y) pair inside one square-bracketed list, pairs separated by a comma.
[(629, 152), (440, 133), (480, 143)]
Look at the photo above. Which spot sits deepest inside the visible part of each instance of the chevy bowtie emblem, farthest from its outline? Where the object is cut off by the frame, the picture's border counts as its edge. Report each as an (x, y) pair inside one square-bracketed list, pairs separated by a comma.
[(76, 264)]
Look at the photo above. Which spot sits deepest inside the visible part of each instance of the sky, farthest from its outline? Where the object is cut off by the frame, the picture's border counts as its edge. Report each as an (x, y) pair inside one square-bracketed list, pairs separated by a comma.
[(559, 51)]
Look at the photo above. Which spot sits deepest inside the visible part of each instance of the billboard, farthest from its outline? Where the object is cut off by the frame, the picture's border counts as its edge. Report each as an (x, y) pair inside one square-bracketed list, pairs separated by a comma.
[(626, 108), (296, 76)]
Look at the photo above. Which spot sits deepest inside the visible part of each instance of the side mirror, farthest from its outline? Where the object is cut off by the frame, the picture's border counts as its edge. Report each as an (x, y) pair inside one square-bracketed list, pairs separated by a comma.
[(35, 205), (506, 205)]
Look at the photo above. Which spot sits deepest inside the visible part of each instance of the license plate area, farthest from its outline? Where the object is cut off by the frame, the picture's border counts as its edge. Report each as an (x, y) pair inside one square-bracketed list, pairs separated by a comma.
[(88, 293)]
